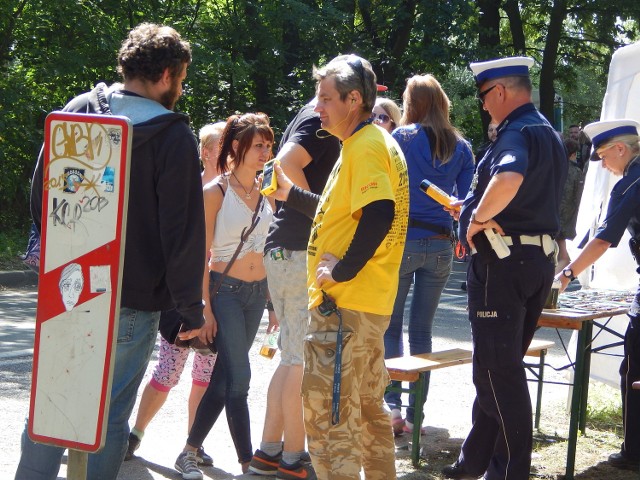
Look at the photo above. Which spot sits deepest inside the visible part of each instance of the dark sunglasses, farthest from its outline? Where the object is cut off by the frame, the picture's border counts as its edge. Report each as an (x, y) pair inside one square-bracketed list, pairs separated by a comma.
[(483, 93), (356, 65), (380, 117)]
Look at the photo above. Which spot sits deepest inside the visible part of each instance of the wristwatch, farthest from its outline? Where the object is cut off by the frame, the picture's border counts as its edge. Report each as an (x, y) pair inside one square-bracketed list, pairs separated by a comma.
[(474, 221), (567, 272)]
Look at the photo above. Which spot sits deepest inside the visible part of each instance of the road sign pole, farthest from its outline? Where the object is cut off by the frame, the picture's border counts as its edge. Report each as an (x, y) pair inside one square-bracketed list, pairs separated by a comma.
[(77, 465)]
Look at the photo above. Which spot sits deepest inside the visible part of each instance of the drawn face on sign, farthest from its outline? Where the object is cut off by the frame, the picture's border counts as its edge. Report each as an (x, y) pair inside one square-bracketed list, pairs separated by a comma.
[(71, 283)]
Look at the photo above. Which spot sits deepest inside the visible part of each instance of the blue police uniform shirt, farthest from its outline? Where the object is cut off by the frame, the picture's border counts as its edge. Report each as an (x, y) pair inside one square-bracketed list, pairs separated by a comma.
[(624, 207), (526, 144)]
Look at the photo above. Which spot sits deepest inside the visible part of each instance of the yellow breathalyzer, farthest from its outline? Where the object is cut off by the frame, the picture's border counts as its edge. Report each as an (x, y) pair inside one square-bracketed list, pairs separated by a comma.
[(438, 194), (269, 178)]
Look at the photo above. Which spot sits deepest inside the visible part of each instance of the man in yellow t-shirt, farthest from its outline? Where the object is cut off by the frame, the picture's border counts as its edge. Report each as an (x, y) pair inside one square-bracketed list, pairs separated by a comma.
[(371, 167), (354, 254)]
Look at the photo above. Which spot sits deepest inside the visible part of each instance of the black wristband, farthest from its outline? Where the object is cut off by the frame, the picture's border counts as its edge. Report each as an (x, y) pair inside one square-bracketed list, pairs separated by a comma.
[(269, 306)]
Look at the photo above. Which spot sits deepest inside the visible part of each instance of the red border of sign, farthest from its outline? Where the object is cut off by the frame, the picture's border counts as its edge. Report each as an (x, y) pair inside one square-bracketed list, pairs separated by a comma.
[(111, 253)]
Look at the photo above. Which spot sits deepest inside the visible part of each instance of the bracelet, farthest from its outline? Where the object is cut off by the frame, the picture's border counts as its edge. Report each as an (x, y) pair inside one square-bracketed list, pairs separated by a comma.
[(269, 306), (477, 222)]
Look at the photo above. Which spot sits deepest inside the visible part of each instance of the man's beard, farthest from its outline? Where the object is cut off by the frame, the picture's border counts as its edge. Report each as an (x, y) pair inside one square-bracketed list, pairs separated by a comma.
[(169, 98)]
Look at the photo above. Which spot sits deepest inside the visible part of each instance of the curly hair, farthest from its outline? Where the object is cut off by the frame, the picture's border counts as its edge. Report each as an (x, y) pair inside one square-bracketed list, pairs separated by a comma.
[(149, 49)]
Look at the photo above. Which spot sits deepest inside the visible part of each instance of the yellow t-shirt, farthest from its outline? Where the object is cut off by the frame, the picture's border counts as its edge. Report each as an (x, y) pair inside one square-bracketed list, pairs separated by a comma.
[(371, 167)]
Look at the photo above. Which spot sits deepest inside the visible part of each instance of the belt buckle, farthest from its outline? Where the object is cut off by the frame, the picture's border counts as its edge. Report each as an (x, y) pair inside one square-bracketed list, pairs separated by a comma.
[(277, 253)]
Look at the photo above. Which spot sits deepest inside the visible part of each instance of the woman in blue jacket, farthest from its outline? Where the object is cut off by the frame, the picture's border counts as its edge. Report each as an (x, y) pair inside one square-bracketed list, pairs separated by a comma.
[(434, 150)]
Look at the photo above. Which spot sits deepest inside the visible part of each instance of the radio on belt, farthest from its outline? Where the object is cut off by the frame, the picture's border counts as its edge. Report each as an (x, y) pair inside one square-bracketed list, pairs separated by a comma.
[(497, 243)]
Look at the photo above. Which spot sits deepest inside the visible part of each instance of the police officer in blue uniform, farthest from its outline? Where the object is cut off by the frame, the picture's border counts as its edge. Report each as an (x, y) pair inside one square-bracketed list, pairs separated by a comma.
[(616, 143), (515, 199)]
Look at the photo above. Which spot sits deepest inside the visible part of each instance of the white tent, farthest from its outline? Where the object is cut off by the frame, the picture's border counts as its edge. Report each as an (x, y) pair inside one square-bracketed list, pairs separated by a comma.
[(616, 269)]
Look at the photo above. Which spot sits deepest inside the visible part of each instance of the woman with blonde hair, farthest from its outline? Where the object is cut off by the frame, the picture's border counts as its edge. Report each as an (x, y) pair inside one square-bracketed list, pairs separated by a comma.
[(209, 148), (434, 150), (386, 114), (617, 146)]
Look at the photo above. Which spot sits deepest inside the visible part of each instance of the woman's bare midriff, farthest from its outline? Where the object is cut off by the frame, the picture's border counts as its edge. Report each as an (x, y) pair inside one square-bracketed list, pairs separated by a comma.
[(249, 268)]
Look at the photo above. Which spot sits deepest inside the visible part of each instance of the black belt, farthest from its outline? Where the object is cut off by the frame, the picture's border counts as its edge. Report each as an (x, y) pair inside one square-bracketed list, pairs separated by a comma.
[(415, 223)]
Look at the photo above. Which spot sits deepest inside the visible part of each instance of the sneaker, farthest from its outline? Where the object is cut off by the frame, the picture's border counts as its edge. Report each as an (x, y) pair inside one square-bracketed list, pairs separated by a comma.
[(134, 444), (620, 460), (305, 457), (264, 464), (408, 428), (457, 471), (397, 422), (297, 471), (203, 459), (398, 426), (187, 465)]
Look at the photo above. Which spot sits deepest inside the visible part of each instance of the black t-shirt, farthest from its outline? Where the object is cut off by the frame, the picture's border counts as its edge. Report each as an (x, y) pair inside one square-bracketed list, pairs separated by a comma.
[(290, 229)]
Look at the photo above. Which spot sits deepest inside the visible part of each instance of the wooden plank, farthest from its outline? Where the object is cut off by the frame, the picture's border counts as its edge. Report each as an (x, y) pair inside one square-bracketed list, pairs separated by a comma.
[(538, 346), (560, 323), (424, 362)]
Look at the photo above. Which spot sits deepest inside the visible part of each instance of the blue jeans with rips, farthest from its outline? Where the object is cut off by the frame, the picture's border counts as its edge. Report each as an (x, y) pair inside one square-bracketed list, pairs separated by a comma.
[(137, 331), (238, 307), (427, 264)]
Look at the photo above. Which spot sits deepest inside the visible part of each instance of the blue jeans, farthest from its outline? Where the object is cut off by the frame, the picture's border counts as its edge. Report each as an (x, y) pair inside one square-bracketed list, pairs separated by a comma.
[(137, 331), (427, 264), (238, 308)]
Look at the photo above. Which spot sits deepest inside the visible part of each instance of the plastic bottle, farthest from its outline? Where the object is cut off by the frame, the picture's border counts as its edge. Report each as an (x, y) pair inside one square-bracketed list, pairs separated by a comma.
[(270, 344)]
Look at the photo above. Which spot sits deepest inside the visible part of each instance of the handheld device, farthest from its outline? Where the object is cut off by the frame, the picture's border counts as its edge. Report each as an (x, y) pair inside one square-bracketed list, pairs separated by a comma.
[(438, 194), (269, 179), (497, 243)]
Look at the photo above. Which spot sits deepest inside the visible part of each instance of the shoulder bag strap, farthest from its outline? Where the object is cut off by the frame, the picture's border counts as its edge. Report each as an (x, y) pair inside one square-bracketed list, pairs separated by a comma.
[(246, 231)]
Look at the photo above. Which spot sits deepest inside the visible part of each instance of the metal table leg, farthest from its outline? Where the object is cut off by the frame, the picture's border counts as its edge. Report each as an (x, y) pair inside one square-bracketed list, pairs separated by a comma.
[(418, 415), (576, 401)]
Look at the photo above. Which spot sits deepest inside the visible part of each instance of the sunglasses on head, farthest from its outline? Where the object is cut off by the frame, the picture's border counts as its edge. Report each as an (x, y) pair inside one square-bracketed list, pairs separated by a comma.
[(356, 65), (380, 117)]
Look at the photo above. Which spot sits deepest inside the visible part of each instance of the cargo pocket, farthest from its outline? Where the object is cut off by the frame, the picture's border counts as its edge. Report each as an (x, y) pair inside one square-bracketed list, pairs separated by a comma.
[(319, 364)]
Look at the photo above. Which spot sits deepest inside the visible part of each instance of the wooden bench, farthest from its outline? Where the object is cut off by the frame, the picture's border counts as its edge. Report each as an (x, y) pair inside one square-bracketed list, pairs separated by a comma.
[(414, 367)]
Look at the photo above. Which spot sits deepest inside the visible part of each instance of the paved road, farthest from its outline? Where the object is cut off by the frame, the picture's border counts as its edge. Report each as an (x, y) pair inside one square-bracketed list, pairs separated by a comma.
[(450, 395)]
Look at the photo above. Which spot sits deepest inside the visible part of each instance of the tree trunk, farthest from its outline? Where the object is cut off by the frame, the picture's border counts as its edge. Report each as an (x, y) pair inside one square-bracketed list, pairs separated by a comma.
[(549, 57), (515, 24), (488, 41)]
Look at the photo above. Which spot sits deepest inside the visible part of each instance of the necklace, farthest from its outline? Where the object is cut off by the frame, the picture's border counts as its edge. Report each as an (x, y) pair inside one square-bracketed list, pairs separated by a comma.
[(247, 195)]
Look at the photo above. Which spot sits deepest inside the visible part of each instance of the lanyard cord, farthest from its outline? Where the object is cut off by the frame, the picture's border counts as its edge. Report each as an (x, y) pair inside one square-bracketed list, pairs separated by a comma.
[(337, 374), (326, 309)]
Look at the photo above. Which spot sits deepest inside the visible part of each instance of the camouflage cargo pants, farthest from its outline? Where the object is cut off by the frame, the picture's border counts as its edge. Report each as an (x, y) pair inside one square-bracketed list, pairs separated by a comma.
[(363, 437)]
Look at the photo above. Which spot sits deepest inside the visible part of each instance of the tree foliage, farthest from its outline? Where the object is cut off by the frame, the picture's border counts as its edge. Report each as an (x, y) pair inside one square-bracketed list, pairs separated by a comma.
[(259, 54)]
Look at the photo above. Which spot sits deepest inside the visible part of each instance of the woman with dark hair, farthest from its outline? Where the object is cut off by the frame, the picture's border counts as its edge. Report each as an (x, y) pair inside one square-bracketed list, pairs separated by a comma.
[(436, 151), (233, 301)]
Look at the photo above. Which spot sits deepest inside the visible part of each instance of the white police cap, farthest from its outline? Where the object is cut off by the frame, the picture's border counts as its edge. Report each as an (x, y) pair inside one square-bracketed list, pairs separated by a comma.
[(601, 132), (503, 67)]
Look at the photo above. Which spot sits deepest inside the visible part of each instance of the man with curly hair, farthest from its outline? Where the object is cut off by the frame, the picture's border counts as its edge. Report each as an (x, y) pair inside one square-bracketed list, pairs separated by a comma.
[(164, 249)]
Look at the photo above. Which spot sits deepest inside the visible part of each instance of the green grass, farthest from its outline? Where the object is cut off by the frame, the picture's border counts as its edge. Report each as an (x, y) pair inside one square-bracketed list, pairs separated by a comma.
[(12, 244), (604, 409)]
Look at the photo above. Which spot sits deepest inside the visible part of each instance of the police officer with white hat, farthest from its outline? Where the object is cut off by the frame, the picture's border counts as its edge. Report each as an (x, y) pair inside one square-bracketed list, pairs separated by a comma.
[(509, 217), (616, 143)]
